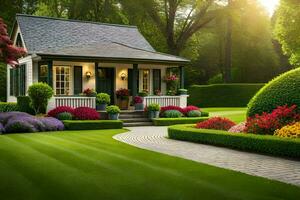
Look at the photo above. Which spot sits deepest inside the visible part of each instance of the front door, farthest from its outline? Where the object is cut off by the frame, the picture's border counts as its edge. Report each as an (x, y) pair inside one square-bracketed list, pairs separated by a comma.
[(105, 81)]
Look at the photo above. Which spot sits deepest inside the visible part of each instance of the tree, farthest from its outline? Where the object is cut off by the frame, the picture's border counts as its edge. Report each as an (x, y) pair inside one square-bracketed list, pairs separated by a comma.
[(228, 45), (287, 29), (8, 53), (176, 20)]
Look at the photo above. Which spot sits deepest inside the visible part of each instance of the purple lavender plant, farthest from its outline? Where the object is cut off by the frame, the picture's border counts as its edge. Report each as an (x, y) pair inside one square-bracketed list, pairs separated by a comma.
[(5, 116), (19, 125), (1, 128), (52, 124)]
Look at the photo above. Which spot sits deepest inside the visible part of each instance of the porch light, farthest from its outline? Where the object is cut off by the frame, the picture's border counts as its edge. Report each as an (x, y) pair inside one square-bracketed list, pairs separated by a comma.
[(88, 74), (123, 76)]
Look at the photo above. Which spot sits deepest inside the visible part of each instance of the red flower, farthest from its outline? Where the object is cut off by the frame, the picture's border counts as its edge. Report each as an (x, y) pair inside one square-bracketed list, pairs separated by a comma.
[(165, 108), (54, 112), (217, 123), (190, 108), (138, 99), (122, 93), (85, 113)]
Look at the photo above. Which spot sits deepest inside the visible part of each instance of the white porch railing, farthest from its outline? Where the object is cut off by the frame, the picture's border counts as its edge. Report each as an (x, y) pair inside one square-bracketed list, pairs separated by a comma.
[(73, 102), (180, 101)]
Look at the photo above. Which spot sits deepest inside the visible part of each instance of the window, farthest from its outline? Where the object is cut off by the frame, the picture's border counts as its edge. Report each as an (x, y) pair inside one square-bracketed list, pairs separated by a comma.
[(146, 79), (156, 79), (43, 73), (17, 81), (19, 42), (62, 80)]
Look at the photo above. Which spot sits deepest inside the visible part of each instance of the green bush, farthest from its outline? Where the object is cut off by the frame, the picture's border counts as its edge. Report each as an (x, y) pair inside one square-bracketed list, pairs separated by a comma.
[(103, 98), (222, 95), (92, 124), (194, 113), (24, 104), (283, 90), (40, 93), (8, 107), (182, 120), (204, 114), (246, 142), (3, 74), (153, 107), (113, 109), (64, 116), (172, 114)]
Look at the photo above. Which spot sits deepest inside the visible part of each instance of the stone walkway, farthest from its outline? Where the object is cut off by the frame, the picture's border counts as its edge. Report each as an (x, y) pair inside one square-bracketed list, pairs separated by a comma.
[(154, 138)]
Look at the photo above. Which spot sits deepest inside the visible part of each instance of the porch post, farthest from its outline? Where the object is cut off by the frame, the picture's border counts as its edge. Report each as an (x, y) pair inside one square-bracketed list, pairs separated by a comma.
[(50, 73), (134, 80), (96, 75), (181, 69)]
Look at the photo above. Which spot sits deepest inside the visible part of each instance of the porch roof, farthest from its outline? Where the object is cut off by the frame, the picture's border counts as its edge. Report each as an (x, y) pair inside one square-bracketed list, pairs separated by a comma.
[(73, 38)]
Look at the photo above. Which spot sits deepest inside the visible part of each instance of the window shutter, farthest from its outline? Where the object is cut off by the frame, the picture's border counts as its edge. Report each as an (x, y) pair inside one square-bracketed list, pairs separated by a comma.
[(156, 79), (77, 80)]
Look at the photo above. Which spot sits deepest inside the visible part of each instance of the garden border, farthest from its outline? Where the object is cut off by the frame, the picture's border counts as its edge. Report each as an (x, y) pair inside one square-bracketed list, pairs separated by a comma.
[(92, 124), (265, 144), (174, 121)]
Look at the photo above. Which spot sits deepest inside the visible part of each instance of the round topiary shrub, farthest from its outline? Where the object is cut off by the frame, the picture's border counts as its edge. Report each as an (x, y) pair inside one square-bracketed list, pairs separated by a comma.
[(172, 114), (283, 90), (85, 113), (40, 93), (194, 113), (64, 116)]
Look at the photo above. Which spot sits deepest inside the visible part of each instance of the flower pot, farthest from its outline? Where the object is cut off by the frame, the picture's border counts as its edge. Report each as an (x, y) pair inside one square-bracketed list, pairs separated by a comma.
[(153, 114), (139, 106), (123, 104), (113, 116), (101, 107)]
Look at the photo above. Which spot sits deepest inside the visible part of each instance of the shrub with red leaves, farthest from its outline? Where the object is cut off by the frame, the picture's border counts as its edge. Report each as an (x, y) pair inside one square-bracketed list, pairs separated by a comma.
[(218, 123), (85, 113), (61, 109), (267, 123), (190, 108), (137, 99), (165, 108)]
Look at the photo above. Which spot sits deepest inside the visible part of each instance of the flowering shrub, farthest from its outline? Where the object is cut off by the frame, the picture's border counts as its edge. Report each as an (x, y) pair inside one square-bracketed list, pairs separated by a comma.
[(194, 113), (19, 126), (239, 128), (171, 78), (292, 131), (1, 128), (61, 109), (217, 123), (122, 93), (165, 108), (86, 113), (267, 123), (172, 114), (89, 92), (172, 84), (52, 124), (189, 108), (4, 117), (137, 99)]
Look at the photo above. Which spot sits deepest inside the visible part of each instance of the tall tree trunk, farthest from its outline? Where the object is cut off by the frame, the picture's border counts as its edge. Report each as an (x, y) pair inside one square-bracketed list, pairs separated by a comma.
[(228, 46)]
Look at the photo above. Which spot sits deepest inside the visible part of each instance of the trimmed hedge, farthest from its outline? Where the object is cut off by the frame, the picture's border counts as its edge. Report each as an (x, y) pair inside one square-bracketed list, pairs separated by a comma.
[(283, 90), (8, 107), (92, 124), (24, 104), (222, 95), (182, 120), (265, 144)]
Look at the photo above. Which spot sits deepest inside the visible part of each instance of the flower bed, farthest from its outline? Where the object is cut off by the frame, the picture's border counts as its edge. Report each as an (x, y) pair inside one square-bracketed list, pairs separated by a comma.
[(266, 144), (92, 124), (19, 122), (173, 121)]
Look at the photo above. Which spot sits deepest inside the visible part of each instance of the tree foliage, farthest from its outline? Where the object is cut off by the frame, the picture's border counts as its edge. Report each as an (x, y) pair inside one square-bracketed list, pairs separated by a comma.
[(287, 29)]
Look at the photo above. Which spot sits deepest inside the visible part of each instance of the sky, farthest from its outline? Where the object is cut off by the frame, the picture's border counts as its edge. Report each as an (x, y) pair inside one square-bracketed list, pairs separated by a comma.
[(270, 5)]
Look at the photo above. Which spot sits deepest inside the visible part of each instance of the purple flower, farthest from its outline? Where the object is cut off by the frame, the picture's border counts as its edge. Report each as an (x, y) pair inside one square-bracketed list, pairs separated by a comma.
[(5, 116), (1, 128), (19, 126), (52, 124)]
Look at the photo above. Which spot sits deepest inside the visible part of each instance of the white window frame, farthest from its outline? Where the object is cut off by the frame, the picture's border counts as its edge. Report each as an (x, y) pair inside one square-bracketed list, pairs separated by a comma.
[(64, 81)]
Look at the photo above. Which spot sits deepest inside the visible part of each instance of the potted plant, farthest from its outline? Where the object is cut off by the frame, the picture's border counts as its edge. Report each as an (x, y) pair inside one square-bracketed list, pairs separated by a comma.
[(172, 84), (113, 112), (102, 101), (89, 92), (122, 98), (182, 91), (143, 93), (138, 103), (153, 110)]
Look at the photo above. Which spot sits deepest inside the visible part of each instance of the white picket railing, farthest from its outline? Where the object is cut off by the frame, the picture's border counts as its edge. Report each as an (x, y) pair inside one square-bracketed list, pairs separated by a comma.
[(180, 101), (71, 101)]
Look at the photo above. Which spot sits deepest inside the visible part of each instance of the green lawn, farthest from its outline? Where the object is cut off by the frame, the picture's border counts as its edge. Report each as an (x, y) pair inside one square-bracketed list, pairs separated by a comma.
[(91, 165), (235, 114)]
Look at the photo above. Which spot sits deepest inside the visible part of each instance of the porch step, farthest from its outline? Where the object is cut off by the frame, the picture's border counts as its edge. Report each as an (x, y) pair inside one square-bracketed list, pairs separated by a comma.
[(137, 124), (128, 116)]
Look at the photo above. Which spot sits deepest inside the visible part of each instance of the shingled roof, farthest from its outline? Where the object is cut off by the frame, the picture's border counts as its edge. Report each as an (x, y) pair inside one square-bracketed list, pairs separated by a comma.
[(69, 38)]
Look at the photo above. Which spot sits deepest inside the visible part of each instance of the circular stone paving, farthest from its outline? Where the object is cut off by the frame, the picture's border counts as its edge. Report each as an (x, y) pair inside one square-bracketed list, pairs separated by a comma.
[(155, 139)]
